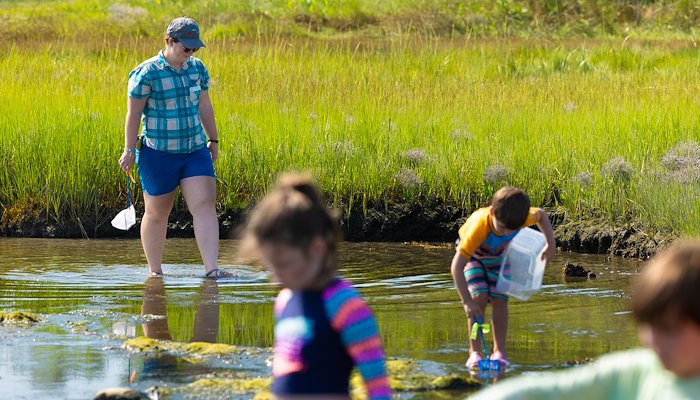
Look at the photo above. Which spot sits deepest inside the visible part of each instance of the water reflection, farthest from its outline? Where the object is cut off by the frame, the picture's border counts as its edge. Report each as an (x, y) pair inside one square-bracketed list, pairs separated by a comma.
[(206, 319), (99, 285), (488, 376), (155, 326)]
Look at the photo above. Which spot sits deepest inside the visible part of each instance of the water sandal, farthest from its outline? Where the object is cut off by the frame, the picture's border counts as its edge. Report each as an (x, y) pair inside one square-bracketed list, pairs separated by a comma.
[(217, 273), (473, 361), (500, 357)]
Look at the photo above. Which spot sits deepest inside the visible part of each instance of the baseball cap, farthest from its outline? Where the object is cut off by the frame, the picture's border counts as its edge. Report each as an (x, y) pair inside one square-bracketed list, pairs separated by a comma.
[(186, 31)]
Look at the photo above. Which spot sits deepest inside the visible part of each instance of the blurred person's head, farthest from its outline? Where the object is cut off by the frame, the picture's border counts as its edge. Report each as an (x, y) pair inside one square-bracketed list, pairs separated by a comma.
[(294, 234), (666, 303)]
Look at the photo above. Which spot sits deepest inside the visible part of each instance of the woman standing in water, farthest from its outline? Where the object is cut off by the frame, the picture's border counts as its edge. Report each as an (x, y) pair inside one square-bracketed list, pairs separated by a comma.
[(168, 93)]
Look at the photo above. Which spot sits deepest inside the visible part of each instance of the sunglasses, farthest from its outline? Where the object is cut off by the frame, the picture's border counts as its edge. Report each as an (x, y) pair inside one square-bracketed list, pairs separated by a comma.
[(187, 49)]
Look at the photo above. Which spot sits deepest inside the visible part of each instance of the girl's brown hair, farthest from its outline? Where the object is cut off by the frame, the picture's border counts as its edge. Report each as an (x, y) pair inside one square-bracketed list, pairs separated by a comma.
[(294, 214), (668, 290)]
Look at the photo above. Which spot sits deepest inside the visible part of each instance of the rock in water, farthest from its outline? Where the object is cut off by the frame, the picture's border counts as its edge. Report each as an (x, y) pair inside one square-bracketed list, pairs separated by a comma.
[(118, 394), (575, 270), (19, 317)]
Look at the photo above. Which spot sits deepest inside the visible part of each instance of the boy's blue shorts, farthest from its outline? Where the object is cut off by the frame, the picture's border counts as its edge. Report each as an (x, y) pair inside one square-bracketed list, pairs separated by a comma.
[(161, 172)]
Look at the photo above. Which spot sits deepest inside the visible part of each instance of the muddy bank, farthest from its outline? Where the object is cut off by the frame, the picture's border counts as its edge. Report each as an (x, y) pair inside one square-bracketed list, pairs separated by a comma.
[(397, 222), (439, 223), (600, 236)]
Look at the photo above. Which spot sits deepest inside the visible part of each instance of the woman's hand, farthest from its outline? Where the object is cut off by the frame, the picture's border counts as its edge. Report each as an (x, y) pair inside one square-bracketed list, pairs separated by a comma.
[(126, 160), (214, 150)]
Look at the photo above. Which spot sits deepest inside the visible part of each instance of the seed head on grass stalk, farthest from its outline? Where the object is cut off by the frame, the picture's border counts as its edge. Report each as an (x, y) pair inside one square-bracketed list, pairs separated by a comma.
[(458, 134), (619, 169), (408, 178), (684, 155), (570, 107), (584, 179), (414, 156), (496, 175), (343, 147)]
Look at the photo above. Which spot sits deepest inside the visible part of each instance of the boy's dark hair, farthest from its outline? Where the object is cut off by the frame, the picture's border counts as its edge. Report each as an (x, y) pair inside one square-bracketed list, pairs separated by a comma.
[(294, 214), (668, 289), (511, 206)]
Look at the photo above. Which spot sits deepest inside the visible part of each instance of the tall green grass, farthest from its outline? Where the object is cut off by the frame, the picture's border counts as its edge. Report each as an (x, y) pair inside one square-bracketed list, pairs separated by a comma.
[(447, 18), (581, 125)]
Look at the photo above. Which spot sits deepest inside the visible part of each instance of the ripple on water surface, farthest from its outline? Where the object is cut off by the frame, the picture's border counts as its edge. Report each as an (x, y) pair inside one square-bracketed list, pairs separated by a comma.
[(94, 294)]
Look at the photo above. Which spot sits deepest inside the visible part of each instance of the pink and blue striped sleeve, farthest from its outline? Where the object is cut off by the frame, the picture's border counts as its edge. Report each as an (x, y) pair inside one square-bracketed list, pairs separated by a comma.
[(353, 320)]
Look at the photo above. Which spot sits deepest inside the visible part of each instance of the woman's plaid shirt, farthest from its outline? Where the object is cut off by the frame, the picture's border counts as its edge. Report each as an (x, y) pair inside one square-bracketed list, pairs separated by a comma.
[(170, 118)]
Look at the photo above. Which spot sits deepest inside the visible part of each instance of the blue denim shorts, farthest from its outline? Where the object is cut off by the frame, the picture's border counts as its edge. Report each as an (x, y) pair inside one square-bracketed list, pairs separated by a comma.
[(161, 172)]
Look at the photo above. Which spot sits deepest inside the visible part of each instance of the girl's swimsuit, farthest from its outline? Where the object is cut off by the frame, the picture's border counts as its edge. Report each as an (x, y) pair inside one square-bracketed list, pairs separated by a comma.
[(319, 336)]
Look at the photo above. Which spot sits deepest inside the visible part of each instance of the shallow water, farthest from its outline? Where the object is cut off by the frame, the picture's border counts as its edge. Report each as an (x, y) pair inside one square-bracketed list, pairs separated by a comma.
[(94, 294)]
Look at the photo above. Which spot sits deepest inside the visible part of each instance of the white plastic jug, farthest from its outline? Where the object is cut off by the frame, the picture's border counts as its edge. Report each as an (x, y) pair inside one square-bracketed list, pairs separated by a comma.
[(522, 268)]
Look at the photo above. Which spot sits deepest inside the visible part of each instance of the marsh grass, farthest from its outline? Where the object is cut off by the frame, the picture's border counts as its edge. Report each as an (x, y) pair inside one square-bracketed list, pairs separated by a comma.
[(410, 117), (88, 19)]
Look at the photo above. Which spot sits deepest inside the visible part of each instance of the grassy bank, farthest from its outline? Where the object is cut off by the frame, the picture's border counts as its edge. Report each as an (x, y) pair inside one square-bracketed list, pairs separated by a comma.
[(446, 18), (602, 127)]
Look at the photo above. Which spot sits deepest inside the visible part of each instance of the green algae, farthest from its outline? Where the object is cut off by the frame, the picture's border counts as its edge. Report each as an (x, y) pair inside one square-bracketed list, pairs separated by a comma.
[(144, 344), (210, 349), (453, 382), (405, 376), (19, 317), (221, 388), (79, 326), (242, 385)]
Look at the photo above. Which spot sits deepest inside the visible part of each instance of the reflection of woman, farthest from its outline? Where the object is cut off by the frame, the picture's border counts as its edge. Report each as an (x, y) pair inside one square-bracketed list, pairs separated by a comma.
[(206, 324), (169, 94), (206, 319)]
